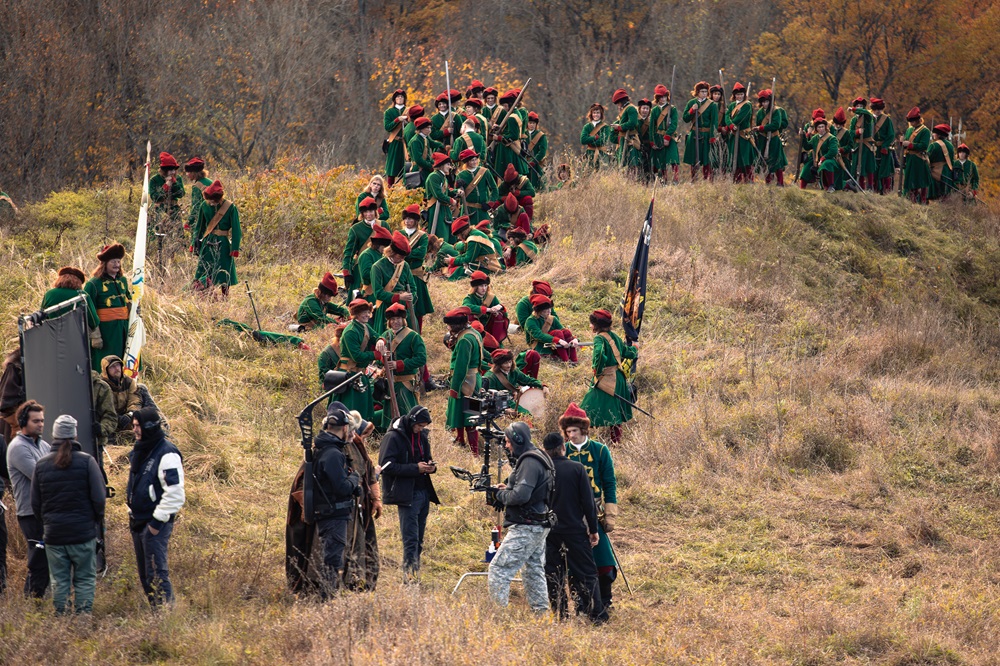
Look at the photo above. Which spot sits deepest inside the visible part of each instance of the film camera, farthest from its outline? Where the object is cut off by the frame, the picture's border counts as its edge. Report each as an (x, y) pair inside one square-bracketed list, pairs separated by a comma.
[(488, 405), (484, 408)]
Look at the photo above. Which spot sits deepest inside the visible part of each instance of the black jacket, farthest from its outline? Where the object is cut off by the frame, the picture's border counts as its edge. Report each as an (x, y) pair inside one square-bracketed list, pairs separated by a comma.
[(525, 498), (333, 496), (574, 498), (404, 450), (70, 501)]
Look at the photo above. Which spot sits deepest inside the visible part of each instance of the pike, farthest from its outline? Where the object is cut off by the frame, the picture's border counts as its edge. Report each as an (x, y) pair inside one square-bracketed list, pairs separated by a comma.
[(447, 84), (513, 106), (770, 113), (390, 376), (136, 327)]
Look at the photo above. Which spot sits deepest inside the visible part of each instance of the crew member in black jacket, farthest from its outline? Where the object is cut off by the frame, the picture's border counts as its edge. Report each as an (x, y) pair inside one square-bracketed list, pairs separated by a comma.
[(407, 465), (335, 495), (576, 530)]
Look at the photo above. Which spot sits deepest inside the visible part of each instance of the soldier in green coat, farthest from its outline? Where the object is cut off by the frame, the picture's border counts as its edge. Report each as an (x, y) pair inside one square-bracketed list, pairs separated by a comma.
[(520, 186), (393, 122), (402, 347), (374, 190), (600, 402), (941, 157), (507, 133), (318, 309), (770, 121), (719, 152), (357, 352), (863, 165), (357, 240), (468, 139), (966, 174), (440, 199), (479, 253), (486, 307), (423, 148), (845, 146), (663, 127), (217, 236), (69, 284), (596, 458), (544, 333), (466, 360), (538, 148), (477, 187), (392, 281), (916, 168), (703, 114), (379, 241), (596, 138), (419, 245), (806, 158), (166, 191), (444, 121), (503, 375), (884, 135), (329, 358), (509, 216), (111, 295), (825, 152), (741, 146), (625, 128), (520, 250), (194, 171)]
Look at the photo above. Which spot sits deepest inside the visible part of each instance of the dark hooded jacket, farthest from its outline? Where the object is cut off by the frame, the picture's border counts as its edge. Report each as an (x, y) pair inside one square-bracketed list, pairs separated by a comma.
[(528, 488), (335, 483), (404, 450), (69, 501)]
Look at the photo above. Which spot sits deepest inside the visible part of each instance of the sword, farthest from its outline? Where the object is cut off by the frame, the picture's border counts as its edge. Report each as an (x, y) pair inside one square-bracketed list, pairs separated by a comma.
[(619, 563)]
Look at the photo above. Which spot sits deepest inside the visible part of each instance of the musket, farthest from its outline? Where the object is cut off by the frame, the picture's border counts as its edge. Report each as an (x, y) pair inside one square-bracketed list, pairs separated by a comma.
[(552, 345), (736, 139), (411, 319), (390, 377), (517, 100), (697, 135), (253, 305), (673, 74), (770, 114), (447, 84)]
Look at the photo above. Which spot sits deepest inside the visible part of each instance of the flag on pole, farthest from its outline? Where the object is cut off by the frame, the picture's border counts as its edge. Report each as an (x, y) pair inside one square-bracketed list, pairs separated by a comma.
[(634, 299), (136, 327)]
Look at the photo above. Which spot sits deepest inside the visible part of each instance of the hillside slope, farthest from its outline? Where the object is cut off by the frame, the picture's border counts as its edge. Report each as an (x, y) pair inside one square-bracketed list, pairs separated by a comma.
[(819, 484)]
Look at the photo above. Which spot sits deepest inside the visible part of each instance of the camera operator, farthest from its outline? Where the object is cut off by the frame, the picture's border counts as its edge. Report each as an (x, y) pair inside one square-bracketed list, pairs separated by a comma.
[(405, 459), (526, 499), (576, 531)]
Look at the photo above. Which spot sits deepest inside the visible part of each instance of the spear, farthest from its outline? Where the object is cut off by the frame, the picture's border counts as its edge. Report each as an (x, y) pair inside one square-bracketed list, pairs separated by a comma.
[(447, 84), (770, 113)]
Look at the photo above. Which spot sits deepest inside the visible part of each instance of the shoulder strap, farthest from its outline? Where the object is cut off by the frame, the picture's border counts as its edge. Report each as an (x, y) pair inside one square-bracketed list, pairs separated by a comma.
[(535, 139), (614, 348), (547, 324), (398, 338), (471, 187), (944, 150), (597, 128), (505, 381), (219, 214)]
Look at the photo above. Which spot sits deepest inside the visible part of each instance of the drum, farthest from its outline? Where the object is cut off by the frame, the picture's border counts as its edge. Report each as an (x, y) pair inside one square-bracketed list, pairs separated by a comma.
[(413, 180), (533, 400)]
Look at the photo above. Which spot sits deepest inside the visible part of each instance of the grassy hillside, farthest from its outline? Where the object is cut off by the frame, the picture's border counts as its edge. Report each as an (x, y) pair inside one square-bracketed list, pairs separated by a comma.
[(819, 484)]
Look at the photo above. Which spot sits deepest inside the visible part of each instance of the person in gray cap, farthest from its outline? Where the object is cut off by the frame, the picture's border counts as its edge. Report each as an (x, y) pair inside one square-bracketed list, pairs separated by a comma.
[(526, 499), (68, 497)]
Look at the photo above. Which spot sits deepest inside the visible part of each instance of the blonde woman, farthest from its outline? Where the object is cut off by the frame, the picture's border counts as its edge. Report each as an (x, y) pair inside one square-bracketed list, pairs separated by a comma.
[(376, 190)]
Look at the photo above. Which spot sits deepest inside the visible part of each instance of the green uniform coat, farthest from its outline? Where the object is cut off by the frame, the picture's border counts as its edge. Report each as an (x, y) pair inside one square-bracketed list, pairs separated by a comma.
[(197, 197), (366, 260), (966, 176), (845, 145), (508, 148), (475, 141), (864, 146), (357, 351), (413, 353), (538, 146), (478, 305), (162, 199), (601, 408), (311, 311), (56, 296), (477, 199), (628, 154), (663, 128), (394, 157), (466, 359), (383, 213), (884, 134), (106, 293), (596, 458), (422, 304), (536, 337), (527, 252), (941, 156), (700, 136), (771, 135), (741, 115), (916, 168), (357, 241), (215, 263), (422, 151), (480, 254), (381, 273), (437, 193)]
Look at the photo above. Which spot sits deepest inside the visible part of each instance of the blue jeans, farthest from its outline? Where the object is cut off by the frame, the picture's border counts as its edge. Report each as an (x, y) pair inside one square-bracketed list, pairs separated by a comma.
[(412, 521), (332, 534), (151, 559), (73, 566)]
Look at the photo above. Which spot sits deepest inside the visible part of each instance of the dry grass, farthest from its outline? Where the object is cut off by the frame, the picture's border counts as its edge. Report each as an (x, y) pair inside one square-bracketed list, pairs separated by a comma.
[(819, 485)]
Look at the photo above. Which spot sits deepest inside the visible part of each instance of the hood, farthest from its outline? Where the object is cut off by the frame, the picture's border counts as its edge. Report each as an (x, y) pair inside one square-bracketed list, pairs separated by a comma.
[(326, 438), (107, 361)]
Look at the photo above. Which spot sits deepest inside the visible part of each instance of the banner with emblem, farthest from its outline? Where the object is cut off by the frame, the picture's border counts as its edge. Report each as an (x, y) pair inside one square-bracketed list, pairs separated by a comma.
[(633, 303)]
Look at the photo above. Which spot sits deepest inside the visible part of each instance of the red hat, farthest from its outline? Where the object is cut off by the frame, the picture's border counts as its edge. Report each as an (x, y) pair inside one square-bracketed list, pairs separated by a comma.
[(475, 323), (541, 287), (540, 302), (476, 85), (619, 96), (490, 91), (510, 203), (457, 316), (467, 154), (413, 210), (645, 102), (472, 119), (516, 233), (443, 97), (595, 105), (661, 91), (395, 310), (501, 356), (113, 251), (533, 116), (478, 277), (877, 103), (439, 159), (943, 128), (415, 111), (508, 96), (702, 85), (474, 101), (484, 226), (510, 173), (329, 283), (73, 270), (358, 305), (764, 94), (459, 224), (859, 101), (455, 95), (214, 191), (739, 87), (964, 147), (820, 121), (490, 343), (601, 318), (400, 244), (717, 89), (818, 113), (167, 161), (421, 122), (398, 91), (380, 234), (914, 113), (194, 164), (574, 417), (840, 117), (368, 203)]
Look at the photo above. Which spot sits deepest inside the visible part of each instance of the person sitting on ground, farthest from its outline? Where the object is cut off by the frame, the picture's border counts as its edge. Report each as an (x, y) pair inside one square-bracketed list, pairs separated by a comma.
[(316, 310), (520, 251), (504, 376), (124, 391)]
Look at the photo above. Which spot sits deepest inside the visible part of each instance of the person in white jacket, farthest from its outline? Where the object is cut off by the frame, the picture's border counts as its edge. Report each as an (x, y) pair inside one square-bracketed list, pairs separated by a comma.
[(154, 494)]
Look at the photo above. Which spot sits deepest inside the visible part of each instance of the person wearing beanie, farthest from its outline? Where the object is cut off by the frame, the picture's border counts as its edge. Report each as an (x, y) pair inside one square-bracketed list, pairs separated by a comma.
[(479, 254), (318, 309), (404, 349), (375, 189), (217, 235), (154, 494), (518, 185), (503, 375), (124, 391), (663, 121), (69, 284), (596, 458), (68, 497), (394, 120), (361, 556), (575, 534), (884, 136), (511, 214), (392, 281), (357, 352), (966, 173), (538, 148), (520, 250), (916, 168), (379, 241), (486, 306), (769, 122), (600, 403), (477, 185), (441, 199), (545, 334), (407, 465), (194, 171), (357, 241), (111, 294), (467, 357), (507, 130), (941, 157), (23, 453), (703, 114), (166, 191)]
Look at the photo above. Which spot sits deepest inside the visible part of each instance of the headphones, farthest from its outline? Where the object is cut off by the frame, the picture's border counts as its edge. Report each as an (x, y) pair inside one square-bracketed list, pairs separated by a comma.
[(25, 413), (518, 433)]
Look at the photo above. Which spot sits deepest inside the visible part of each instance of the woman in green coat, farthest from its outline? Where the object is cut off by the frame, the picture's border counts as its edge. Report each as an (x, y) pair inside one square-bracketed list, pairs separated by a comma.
[(69, 284), (405, 350), (742, 150), (884, 135), (111, 295), (419, 244), (596, 138), (503, 375), (392, 281), (824, 165), (770, 121), (217, 241), (394, 120), (600, 402), (376, 190)]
